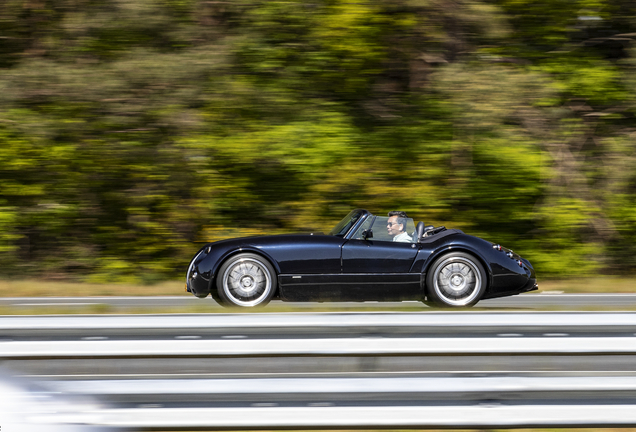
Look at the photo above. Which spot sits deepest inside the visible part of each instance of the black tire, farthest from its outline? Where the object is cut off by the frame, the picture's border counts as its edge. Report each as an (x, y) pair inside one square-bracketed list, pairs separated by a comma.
[(456, 279), (246, 280), (215, 295)]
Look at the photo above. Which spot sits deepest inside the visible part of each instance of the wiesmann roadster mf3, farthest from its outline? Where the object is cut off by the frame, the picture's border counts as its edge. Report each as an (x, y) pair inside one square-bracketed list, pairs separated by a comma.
[(359, 260)]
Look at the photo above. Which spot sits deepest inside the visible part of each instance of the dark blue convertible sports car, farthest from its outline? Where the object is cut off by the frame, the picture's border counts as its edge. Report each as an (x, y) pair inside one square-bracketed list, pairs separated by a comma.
[(361, 259)]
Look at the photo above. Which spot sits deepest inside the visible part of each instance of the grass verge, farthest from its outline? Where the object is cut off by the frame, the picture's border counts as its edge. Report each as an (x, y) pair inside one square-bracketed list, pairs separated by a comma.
[(34, 288)]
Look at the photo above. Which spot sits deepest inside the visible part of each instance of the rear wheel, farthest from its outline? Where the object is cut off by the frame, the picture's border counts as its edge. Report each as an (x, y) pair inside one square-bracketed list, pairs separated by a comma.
[(456, 279), (246, 280)]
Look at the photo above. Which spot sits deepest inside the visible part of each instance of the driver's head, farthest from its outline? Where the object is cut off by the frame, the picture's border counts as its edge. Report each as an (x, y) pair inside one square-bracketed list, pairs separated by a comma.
[(396, 223)]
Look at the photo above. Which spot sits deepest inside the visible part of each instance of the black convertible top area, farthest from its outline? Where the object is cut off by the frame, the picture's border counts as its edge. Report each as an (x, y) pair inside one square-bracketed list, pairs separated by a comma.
[(439, 235)]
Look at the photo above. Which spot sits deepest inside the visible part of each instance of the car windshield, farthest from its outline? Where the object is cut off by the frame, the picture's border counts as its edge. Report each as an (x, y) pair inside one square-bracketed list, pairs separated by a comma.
[(382, 231), (345, 224)]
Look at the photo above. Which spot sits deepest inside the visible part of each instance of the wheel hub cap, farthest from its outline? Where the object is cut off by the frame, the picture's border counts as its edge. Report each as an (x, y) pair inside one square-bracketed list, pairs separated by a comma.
[(247, 282), (457, 281)]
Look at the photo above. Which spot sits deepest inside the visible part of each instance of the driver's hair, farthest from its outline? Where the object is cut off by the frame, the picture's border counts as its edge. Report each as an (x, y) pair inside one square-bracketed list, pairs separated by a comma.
[(402, 218)]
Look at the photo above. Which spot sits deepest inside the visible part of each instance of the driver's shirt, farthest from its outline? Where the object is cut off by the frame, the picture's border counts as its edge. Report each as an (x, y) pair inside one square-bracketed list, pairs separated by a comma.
[(403, 238)]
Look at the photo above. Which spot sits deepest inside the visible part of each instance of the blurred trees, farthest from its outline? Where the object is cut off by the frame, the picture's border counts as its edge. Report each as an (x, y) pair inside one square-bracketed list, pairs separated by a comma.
[(130, 129)]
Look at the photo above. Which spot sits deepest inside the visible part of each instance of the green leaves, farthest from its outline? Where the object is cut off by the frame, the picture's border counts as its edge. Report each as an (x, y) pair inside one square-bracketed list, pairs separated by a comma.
[(131, 129)]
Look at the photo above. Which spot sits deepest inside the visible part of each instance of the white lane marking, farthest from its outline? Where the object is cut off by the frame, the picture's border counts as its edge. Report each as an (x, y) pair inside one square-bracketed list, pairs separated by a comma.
[(556, 334), (410, 374), (510, 334), (327, 346), (187, 337), (150, 406), (264, 404), (94, 338), (342, 386), (376, 417), (234, 337), (320, 404), (184, 323), (56, 304)]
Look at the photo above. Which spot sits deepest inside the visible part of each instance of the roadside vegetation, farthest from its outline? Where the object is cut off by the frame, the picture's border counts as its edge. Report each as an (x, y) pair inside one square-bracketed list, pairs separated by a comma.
[(35, 288), (133, 131)]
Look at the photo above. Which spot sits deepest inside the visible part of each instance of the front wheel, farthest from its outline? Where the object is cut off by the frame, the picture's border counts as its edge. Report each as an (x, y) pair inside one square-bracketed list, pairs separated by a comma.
[(246, 280), (456, 279)]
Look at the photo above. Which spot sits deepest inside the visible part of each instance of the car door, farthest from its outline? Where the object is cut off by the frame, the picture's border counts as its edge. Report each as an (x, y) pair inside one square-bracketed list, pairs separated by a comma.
[(376, 267)]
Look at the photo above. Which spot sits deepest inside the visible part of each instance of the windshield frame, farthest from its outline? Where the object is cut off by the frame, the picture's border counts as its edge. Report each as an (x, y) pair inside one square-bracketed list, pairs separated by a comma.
[(345, 227)]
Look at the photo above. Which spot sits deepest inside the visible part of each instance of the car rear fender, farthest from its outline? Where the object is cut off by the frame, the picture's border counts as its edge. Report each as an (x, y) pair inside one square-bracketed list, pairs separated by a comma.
[(457, 248)]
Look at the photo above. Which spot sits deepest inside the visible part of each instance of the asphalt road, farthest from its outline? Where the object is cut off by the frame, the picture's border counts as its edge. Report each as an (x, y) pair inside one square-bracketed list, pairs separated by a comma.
[(530, 301)]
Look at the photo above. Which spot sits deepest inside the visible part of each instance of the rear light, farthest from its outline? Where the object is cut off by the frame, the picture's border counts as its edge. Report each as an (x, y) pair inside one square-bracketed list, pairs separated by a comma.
[(520, 263), (498, 247)]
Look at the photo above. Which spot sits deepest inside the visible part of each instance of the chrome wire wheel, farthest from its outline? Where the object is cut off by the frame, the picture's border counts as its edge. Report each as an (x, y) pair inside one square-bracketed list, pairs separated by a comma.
[(247, 281), (457, 280)]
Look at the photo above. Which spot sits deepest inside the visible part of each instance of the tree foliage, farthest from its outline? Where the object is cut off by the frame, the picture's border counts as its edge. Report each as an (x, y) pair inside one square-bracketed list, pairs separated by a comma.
[(130, 129)]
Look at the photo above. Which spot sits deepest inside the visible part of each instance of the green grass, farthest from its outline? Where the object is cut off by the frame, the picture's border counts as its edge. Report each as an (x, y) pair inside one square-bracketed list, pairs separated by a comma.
[(34, 288), (607, 284)]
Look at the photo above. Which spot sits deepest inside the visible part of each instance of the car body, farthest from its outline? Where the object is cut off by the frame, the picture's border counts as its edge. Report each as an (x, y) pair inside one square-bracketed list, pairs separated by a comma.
[(359, 261)]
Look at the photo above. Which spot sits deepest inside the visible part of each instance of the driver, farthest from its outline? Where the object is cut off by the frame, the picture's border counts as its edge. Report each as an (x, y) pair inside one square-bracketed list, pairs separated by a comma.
[(396, 226)]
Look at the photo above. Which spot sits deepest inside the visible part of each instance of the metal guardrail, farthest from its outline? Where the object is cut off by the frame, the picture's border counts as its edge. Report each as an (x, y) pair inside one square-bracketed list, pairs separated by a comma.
[(406, 320), (400, 417), (486, 388), (316, 347), (373, 403), (387, 398)]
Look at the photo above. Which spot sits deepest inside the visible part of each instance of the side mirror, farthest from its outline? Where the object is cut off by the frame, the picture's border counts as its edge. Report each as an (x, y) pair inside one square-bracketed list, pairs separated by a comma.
[(367, 234)]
